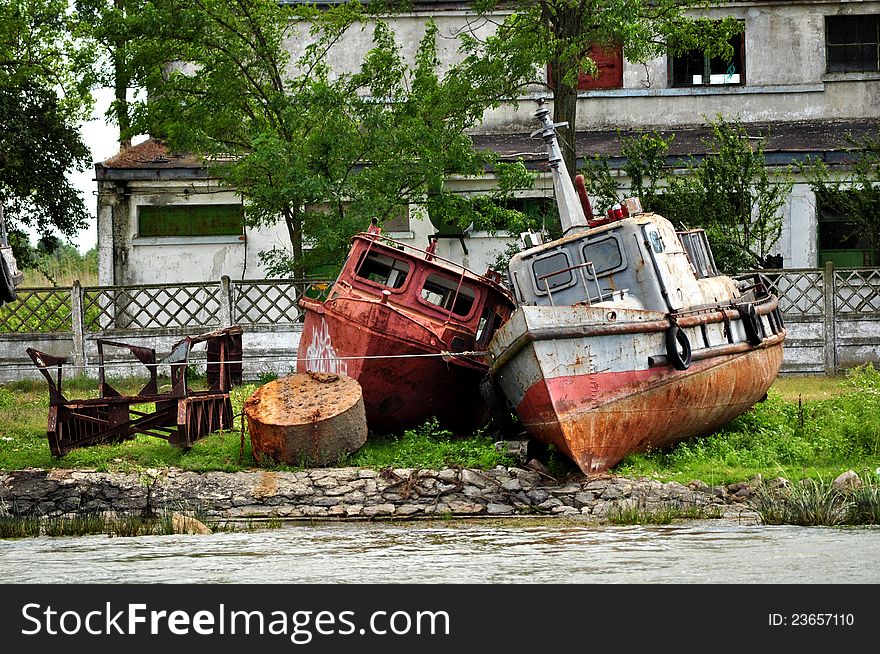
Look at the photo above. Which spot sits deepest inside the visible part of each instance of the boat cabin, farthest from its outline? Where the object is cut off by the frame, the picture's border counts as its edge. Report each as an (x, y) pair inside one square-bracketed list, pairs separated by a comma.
[(638, 262), (434, 291)]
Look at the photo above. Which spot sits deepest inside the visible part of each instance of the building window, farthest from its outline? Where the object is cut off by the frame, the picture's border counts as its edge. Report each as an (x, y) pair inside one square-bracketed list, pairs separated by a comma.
[(191, 220), (852, 43), (841, 241), (398, 221), (697, 68), (610, 70)]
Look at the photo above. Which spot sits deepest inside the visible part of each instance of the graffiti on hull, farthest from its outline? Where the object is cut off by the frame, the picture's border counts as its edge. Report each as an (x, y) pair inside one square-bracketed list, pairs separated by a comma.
[(320, 355)]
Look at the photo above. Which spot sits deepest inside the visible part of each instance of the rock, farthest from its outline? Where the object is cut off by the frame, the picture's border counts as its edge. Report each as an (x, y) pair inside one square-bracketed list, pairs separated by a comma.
[(474, 478), (848, 481), (184, 524), (540, 468), (498, 509)]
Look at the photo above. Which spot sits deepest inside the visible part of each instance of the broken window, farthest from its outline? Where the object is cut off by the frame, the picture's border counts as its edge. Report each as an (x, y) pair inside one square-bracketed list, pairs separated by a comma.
[(382, 269), (852, 43), (446, 294), (698, 68)]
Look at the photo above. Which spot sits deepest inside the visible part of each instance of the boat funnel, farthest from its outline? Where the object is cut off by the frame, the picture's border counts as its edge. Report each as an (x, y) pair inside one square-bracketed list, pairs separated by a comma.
[(571, 213)]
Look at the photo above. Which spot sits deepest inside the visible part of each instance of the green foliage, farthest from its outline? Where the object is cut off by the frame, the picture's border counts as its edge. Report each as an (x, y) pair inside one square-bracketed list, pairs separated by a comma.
[(641, 513), (428, 446), (322, 152), (44, 92), (856, 194), (818, 502), (729, 192)]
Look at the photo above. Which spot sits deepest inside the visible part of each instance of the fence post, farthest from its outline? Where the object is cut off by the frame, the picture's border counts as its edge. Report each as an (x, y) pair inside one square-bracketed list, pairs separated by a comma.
[(77, 320), (830, 322), (225, 301)]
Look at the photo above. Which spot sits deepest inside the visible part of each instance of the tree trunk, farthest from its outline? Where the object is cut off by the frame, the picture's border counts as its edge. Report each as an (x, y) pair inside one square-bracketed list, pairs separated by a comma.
[(293, 219), (120, 86), (566, 26)]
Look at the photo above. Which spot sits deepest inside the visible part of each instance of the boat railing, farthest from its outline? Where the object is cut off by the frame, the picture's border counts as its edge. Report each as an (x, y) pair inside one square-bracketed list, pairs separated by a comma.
[(580, 268)]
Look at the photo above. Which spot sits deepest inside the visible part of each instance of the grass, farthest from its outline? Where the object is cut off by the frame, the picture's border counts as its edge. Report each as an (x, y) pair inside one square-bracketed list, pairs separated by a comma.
[(813, 502), (791, 438), (428, 446), (24, 408), (808, 427), (639, 513)]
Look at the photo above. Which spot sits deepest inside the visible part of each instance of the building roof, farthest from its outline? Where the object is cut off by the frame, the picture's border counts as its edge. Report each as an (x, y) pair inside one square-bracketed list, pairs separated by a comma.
[(785, 143), (150, 159)]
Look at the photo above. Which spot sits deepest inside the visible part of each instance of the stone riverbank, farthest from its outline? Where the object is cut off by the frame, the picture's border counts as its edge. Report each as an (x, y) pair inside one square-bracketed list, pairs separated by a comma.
[(357, 493)]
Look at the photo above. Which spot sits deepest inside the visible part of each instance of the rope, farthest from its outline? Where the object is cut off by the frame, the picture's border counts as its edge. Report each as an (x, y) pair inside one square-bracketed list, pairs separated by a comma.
[(128, 364)]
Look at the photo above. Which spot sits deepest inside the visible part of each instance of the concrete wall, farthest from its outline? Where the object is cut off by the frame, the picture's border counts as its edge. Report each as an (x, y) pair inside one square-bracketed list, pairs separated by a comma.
[(784, 69)]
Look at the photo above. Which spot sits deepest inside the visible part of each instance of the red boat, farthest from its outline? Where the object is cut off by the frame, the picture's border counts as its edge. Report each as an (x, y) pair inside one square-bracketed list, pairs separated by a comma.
[(412, 328)]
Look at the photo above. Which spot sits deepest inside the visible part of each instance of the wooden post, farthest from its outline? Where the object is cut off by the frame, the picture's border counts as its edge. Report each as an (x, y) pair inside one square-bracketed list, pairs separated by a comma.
[(77, 320), (830, 323)]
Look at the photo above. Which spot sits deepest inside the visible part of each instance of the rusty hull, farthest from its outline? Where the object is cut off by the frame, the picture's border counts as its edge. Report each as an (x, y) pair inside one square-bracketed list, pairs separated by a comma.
[(384, 349), (661, 410)]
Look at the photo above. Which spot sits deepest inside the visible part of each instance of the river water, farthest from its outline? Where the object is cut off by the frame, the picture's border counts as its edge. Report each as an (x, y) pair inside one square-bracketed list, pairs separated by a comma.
[(497, 552)]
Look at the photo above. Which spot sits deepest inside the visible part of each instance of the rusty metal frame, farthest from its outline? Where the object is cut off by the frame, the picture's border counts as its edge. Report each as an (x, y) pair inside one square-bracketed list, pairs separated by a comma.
[(181, 415)]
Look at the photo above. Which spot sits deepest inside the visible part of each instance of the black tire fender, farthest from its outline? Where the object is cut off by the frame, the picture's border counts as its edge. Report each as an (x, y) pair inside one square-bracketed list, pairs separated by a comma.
[(678, 348), (7, 288), (751, 326)]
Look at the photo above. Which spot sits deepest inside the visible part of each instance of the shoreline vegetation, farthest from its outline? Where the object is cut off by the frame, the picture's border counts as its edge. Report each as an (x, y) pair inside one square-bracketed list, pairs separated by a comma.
[(807, 433)]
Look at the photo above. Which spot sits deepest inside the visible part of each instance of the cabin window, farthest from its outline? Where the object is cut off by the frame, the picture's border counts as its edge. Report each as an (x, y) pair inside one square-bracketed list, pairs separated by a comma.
[(699, 253), (382, 269), (655, 240), (553, 271), (446, 294), (489, 323), (604, 254)]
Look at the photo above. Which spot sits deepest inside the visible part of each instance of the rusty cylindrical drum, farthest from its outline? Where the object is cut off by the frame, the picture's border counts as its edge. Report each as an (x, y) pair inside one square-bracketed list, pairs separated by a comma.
[(306, 418)]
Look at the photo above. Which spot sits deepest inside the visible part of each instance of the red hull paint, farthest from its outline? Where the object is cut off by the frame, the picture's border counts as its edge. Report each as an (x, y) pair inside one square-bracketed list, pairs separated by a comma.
[(404, 389), (598, 419)]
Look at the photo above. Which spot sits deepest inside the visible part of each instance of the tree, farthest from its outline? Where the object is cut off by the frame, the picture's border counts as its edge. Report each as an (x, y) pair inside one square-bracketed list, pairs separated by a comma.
[(562, 34), (729, 192), (44, 92), (290, 134), (856, 193)]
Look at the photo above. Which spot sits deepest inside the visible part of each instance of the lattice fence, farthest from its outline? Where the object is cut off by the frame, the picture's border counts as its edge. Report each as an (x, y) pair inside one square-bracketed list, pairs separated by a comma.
[(856, 292), (113, 308), (38, 311), (801, 292), (833, 315), (272, 302)]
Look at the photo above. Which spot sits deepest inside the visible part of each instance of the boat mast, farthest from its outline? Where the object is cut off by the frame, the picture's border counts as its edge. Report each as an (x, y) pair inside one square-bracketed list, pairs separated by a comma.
[(571, 213)]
